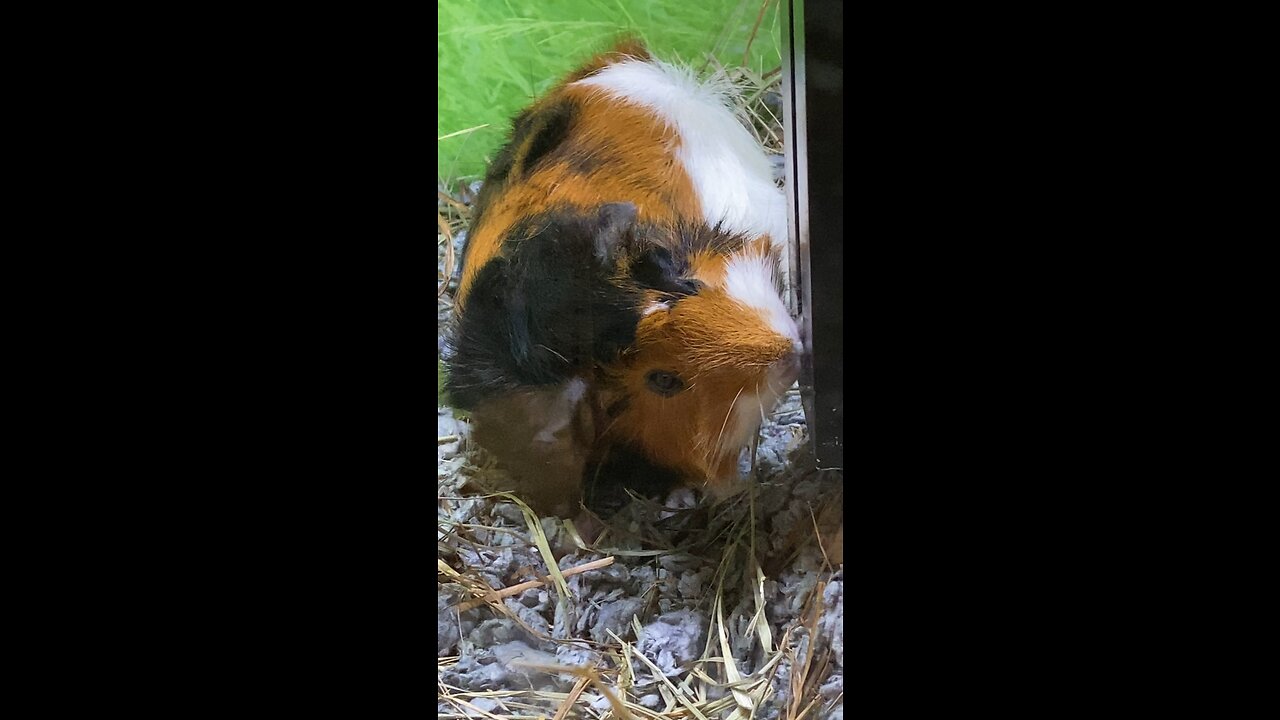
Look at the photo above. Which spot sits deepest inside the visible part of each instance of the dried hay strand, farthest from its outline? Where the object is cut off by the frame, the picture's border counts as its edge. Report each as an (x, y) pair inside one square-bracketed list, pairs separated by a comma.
[(717, 685)]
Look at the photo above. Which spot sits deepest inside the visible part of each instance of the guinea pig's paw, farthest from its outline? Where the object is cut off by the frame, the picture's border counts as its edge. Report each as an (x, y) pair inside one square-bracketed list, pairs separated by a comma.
[(682, 498)]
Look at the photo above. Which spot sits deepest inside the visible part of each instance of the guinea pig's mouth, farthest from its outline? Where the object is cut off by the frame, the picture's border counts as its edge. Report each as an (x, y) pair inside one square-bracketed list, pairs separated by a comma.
[(741, 424)]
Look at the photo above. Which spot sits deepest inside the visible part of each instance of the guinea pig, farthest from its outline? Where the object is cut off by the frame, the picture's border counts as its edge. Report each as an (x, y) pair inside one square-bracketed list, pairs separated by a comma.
[(620, 321)]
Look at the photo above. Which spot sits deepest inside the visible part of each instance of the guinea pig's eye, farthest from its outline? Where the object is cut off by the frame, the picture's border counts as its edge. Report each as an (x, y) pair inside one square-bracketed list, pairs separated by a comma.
[(664, 383)]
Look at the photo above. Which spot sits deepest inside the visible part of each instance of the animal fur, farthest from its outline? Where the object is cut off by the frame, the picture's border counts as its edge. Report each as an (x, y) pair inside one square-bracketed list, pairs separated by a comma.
[(619, 319)]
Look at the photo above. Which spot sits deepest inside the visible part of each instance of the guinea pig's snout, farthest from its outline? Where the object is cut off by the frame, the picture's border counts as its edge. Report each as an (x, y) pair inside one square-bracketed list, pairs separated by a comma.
[(787, 368)]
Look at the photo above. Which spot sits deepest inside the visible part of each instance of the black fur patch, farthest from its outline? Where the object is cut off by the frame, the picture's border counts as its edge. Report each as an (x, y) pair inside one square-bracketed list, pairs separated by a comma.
[(534, 135), (544, 133), (696, 237), (500, 167), (656, 268), (546, 309), (495, 180), (658, 257), (624, 468)]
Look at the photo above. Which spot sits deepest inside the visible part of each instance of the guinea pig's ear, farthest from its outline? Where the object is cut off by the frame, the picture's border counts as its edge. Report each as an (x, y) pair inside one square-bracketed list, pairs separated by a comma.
[(614, 225), (657, 269)]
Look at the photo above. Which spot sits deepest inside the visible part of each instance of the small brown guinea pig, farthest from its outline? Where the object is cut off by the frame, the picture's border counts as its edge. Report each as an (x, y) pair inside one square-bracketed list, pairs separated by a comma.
[(620, 322)]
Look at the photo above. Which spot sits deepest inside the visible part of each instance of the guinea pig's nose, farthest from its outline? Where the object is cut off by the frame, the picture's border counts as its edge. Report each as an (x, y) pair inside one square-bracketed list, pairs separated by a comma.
[(788, 366)]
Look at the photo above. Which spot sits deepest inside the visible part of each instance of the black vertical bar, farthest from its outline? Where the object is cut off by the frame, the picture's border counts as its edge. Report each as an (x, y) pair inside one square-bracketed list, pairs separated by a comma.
[(813, 99)]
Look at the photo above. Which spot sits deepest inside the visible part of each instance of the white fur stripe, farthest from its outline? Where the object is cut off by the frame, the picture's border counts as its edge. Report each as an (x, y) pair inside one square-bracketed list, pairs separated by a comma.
[(749, 278)]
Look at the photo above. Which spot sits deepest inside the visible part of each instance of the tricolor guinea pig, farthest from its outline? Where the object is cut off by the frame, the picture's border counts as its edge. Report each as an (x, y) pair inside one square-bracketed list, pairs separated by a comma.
[(620, 321)]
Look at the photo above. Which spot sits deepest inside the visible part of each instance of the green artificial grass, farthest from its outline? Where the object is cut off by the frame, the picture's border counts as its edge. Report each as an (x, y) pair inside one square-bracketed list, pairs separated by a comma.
[(496, 56)]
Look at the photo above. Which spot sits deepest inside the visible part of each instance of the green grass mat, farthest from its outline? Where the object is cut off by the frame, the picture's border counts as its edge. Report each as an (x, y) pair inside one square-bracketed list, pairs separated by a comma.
[(497, 55)]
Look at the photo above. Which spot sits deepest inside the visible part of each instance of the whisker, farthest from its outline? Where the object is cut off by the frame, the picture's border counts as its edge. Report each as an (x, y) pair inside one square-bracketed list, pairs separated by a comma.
[(553, 352), (610, 426), (725, 424)]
